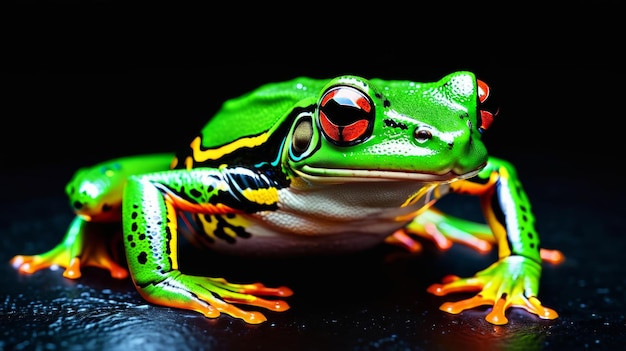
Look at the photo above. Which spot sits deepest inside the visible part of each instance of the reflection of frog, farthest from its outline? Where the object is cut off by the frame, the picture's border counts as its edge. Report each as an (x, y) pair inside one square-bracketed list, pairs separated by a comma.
[(309, 166)]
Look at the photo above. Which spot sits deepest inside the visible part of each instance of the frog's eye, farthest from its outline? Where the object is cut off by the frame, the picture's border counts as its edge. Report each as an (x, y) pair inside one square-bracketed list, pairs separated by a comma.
[(346, 115), (487, 109)]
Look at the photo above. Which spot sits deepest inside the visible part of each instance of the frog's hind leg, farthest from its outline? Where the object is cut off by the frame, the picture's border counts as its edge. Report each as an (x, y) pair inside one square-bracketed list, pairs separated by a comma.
[(151, 213), (445, 230), (102, 251)]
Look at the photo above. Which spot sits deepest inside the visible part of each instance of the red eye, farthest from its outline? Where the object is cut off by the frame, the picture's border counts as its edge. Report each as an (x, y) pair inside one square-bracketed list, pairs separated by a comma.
[(487, 109), (483, 91), (346, 115)]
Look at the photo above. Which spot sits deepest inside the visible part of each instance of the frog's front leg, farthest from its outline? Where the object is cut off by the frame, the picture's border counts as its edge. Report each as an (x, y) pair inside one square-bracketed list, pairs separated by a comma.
[(95, 194), (84, 244), (513, 281), (150, 208)]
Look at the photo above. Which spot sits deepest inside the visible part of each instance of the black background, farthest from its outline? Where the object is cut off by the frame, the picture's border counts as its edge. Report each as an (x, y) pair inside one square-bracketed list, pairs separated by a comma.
[(570, 120), (108, 81)]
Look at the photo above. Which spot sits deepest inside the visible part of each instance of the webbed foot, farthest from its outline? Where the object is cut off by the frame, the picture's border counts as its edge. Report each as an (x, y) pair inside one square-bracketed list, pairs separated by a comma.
[(213, 296), (444, 230), (510, 282), (79, 248)]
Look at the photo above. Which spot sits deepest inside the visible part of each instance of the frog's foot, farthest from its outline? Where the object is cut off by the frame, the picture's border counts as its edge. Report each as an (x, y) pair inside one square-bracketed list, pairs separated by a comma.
[(81, 247), (213, 296), (510, 282), (29, 264)]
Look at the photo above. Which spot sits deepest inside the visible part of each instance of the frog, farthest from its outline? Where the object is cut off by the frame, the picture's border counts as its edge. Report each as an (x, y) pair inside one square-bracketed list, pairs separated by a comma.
[(312, 166)]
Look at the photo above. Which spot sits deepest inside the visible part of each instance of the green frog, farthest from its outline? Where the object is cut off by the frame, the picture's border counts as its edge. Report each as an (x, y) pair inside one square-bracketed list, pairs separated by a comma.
[(312, 166)]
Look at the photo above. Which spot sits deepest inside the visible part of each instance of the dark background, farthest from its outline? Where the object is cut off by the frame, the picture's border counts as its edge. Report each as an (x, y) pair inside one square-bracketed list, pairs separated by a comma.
[(79, 89)]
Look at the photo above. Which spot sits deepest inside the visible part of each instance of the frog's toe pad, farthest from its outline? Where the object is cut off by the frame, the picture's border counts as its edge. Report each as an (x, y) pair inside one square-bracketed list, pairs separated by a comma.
[(20, 263), (254, 318), (30, 264), (73, 269), (552, 256), (535, 306), (118, 273)]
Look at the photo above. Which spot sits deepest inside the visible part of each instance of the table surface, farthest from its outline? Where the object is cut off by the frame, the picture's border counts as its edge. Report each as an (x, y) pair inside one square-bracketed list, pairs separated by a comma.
[(374, 300)]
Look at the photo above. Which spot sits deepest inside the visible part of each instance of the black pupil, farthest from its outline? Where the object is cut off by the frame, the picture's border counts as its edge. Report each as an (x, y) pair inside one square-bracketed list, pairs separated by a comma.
[(346, 116)]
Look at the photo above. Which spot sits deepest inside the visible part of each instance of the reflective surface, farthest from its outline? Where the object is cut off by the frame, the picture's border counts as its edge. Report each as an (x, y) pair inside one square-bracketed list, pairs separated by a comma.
[(375, 300)]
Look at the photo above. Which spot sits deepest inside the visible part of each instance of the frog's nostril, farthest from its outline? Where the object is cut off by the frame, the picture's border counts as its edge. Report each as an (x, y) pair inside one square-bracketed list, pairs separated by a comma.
[(78, 205)]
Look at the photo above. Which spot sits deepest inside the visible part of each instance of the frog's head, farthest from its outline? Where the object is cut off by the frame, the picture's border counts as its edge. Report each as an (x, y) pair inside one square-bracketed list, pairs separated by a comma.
[(374, 129)]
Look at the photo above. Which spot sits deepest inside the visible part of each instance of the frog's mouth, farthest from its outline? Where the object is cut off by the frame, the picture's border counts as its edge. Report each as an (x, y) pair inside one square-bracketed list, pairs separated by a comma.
[(336, 175)]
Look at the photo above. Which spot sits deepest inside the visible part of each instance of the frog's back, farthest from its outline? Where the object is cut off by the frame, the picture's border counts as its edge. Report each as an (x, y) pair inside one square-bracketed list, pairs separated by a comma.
[(258, 111)]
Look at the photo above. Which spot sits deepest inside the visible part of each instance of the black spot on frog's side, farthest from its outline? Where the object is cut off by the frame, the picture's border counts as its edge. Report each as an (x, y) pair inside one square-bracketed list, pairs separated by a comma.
[(130, 240), (525, 226), (204, 193), (195, 193)]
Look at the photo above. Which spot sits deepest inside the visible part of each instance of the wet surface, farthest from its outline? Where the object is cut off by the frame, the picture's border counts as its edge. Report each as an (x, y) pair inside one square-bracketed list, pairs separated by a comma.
[(375, 300)]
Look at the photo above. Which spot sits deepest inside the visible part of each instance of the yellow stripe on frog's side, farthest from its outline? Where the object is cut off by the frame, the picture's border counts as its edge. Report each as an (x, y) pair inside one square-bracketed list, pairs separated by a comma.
[(173, 239), (200, 155), (266, 196), (431, 192), (429, 195)]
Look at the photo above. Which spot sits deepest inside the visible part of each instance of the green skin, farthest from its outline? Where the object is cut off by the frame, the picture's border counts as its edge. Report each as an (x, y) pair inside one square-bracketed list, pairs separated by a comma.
[(417, 141)]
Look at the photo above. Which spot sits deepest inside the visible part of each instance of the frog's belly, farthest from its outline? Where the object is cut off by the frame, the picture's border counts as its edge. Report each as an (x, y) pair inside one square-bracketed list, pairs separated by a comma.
[(333, 219)]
